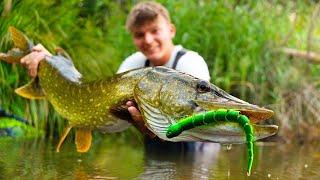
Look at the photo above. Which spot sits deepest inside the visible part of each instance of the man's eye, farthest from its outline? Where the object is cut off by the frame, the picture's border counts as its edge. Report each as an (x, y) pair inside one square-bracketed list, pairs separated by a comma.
[(138, 35), (154, 31)]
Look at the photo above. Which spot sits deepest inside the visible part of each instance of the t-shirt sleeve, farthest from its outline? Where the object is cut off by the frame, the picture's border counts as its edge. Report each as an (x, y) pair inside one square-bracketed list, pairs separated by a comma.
[(192, 63), (134, 61)]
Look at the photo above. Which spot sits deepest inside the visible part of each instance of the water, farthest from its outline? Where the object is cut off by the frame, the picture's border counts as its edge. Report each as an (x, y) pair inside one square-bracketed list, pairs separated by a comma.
[(111, 159)]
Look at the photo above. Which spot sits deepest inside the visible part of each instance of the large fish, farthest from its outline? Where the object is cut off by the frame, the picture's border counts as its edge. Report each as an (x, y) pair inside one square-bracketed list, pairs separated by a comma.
[(163, 96)]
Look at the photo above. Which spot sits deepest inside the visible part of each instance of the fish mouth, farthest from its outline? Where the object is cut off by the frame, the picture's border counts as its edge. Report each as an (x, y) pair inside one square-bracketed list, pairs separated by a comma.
[(253, 112), (229, 133)]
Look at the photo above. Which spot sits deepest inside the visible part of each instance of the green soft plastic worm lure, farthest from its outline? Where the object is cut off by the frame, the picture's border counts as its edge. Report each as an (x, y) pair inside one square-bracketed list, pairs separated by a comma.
[(220, 115)]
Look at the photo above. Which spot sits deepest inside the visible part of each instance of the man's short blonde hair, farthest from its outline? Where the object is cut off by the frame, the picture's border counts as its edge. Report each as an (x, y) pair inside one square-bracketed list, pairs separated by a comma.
[(146, 12)]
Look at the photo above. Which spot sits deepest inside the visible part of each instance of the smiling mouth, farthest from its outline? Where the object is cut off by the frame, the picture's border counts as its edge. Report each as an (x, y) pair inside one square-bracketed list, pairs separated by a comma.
[(151, 49)]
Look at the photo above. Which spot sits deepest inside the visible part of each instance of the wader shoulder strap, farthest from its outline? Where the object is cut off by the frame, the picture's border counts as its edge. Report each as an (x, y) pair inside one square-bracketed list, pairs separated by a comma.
[(178, 56), (147, 63)]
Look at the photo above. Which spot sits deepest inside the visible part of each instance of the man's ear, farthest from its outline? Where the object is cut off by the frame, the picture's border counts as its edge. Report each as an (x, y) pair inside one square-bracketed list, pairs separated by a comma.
[(172, 30)]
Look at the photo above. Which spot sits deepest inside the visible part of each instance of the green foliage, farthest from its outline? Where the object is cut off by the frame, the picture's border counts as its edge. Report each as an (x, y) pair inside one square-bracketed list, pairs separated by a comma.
[(240, 40), (19, 129)]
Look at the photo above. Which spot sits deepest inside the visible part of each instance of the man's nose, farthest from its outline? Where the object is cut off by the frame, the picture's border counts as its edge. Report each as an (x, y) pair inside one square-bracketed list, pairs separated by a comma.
[(148, 38)]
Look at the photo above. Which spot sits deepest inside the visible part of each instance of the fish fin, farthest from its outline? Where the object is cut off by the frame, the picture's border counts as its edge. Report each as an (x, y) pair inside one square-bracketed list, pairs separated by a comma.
[(63, 137), (31, 90), (19, 39), (61, 52), (22, 46), (120, 122), (118, 126), (83, 139), (155, 120), (64, 67), (12, 56)]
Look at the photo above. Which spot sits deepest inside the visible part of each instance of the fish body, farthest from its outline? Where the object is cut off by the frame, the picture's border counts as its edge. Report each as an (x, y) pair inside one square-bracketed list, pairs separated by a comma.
[(84, 104), (164, 96)]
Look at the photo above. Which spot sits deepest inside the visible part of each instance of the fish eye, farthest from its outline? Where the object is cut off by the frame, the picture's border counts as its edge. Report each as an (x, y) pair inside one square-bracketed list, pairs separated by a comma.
[(203, 86)]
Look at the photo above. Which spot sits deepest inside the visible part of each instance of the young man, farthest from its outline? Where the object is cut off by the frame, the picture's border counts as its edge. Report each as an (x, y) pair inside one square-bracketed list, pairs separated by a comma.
[(152, 33)]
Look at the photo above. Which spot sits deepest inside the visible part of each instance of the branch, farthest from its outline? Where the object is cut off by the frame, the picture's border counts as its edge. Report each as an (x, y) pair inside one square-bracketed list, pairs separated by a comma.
[(307, 55)]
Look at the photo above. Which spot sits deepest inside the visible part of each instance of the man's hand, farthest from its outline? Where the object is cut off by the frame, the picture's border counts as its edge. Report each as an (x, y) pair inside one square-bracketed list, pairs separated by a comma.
[(32, 60), (138, 121)]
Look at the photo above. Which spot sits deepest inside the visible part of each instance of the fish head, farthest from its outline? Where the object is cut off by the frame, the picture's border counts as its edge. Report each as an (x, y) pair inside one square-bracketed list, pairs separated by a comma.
[(210, 97), (183, 95), (166, 96)]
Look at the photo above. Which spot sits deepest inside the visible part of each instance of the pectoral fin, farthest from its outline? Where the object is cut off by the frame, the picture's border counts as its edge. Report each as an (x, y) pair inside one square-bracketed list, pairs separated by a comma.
[(31, 90), (83, 139), (61, 52)]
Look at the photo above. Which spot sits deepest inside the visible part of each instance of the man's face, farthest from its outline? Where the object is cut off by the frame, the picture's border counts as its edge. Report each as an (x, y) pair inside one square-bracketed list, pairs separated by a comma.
[(154, 40)]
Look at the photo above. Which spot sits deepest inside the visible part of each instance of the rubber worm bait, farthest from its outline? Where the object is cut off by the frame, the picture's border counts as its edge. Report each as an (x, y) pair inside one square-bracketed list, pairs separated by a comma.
[(220, 115)]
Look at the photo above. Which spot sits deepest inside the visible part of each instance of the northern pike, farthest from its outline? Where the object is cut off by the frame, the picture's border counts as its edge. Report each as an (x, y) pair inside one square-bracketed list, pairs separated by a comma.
[(162, 95)]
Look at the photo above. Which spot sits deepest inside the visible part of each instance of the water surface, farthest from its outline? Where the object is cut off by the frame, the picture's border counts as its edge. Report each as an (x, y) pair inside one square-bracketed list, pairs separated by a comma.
[(114, 159)]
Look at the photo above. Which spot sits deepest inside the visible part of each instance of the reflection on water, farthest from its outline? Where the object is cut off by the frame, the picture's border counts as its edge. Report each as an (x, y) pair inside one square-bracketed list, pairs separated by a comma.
[(31, 159), (179, 160)]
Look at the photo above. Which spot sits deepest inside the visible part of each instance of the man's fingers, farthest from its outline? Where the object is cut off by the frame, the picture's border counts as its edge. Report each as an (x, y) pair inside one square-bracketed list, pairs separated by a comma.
[(33, 72), (25, 59), (28, 59), (31, 62), (129, 103), (22, 60), (135, 114), (33, 66), (41, 48), (38, 47), (138, 121), (32, 69)]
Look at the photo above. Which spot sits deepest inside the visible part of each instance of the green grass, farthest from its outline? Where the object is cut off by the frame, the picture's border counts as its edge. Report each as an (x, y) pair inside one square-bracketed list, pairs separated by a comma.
[(239, 40)]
